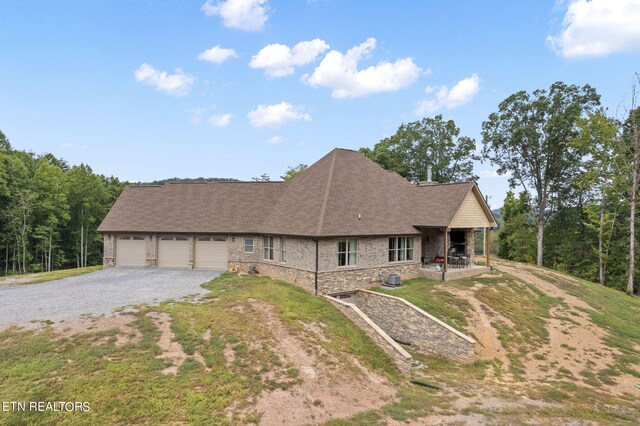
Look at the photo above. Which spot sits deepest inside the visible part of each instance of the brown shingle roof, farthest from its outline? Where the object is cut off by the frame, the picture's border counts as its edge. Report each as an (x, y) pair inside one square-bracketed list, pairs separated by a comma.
[(216, 207), (342, 194)]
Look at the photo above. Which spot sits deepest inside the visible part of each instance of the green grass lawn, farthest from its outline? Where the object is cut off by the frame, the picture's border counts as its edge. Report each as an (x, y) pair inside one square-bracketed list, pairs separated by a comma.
[(125, 384), (42, 277)]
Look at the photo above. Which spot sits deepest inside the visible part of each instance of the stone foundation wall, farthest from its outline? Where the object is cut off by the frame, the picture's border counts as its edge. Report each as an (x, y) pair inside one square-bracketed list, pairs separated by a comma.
[(355, 278), (409, 324), (399, 356)]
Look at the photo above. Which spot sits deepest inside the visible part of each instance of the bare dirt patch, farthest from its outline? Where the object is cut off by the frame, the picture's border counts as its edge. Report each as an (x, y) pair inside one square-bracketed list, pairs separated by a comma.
[(323, 393), (73, 327), (207, 334), (171, 349), (489, 346), (520, 272), (576, 345)]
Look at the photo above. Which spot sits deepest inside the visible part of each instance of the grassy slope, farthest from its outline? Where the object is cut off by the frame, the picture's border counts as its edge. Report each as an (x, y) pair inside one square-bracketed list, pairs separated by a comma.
[(42, 277), (126, 385), (131, 389), (528, 309)]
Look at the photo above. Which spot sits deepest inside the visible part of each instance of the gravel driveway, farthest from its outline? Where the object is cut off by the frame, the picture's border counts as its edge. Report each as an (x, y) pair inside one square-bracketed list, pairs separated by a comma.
[(98, 293)]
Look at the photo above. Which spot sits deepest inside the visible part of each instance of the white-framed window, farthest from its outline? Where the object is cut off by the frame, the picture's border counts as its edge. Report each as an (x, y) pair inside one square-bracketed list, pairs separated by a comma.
[(248, 245), (348, 252), (283, 249), (267, 248), (400, 249)]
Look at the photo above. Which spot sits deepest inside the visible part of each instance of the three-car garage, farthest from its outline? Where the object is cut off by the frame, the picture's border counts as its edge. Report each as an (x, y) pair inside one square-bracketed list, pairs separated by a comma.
[(170, 251)]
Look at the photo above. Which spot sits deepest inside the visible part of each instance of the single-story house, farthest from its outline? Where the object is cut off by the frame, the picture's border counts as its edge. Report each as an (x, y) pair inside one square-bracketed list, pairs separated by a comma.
[(343, 223)]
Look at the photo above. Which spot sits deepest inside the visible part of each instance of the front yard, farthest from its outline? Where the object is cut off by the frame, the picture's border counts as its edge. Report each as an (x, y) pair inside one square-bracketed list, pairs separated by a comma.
[(254, 350)]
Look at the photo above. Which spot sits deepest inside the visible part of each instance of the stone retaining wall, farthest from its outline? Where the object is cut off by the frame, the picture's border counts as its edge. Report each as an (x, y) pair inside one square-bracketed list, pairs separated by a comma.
[(409, 324), (297, 277), (399, 356)]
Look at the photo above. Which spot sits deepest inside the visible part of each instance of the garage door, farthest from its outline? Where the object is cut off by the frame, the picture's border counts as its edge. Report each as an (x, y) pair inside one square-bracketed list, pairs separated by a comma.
[(173, 252), (211, 253), (131, 251)]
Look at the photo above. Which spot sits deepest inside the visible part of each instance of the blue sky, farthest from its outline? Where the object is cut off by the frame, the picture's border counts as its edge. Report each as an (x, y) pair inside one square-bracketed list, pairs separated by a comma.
[(146, 90)]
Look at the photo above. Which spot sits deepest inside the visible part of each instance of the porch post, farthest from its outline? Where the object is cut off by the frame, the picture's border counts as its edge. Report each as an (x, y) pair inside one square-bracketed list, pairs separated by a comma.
[(487, 244)]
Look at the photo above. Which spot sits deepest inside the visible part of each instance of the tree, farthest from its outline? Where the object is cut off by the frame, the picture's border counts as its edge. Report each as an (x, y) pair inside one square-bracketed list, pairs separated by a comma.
[(631, 141), (599, 138), (428, 142), (516, 236), (530, 137), (292, 172), (50, 210), (262, 178)]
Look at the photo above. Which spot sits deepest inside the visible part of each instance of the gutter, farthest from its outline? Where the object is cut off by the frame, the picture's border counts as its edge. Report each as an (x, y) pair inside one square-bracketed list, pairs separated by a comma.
[(316, 272)]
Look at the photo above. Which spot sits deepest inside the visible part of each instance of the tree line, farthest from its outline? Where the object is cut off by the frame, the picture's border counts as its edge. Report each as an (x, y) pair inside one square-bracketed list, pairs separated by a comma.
[(50, 211), (576, 168)]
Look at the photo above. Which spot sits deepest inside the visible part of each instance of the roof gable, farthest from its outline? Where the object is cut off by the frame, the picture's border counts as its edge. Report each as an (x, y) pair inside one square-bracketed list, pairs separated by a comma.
[(342, 194), (473, 212)]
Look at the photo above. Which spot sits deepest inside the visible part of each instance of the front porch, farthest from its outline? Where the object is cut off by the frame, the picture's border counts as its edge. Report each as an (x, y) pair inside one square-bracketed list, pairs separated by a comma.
[(450, 252)]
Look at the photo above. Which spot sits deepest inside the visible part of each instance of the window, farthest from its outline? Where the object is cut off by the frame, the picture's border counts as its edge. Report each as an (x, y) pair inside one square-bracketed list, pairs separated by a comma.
[(347, 253), (283, 249), (400, 249), (267, 244), (248, 245)]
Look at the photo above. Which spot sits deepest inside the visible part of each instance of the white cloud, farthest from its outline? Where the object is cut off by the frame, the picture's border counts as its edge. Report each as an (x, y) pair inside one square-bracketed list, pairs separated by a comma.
[(276, 115), (246, 15), (279, 60), (340, 72), (220, 120), (217, 54), (460, 94), (274, 139), (598, 28), (177, 84), (196, 115)]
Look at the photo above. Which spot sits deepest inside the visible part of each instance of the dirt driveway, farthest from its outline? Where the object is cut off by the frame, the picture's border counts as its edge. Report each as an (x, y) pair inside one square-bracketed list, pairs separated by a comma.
[(97, 293)]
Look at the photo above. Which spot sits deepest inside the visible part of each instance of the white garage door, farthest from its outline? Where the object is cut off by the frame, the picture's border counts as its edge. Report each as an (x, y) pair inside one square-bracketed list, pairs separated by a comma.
[(130, 251), (211, 253), (173, 252)]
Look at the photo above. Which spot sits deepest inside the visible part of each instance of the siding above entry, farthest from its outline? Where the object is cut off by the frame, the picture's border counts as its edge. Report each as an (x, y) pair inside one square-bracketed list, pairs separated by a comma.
[(473, 213)]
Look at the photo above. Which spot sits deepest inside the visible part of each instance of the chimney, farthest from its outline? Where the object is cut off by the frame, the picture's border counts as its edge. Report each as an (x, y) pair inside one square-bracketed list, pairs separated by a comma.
[(428, 181)]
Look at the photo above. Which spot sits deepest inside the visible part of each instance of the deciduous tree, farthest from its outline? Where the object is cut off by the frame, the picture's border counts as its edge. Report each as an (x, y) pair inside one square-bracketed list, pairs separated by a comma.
[(429, 142), (531, 137)]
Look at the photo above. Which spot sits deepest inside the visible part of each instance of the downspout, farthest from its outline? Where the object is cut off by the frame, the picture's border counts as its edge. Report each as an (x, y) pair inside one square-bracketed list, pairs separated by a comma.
[(316, 274)]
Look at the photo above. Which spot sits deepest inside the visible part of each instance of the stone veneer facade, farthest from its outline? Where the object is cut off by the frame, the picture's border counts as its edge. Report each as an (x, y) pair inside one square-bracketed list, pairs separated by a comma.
[(299, 267), (107, 252), (409, 324)]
